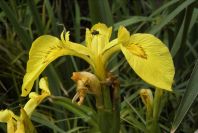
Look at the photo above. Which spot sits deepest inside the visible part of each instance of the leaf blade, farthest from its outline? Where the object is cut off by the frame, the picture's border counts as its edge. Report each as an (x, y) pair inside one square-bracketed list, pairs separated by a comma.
[(187, 100)]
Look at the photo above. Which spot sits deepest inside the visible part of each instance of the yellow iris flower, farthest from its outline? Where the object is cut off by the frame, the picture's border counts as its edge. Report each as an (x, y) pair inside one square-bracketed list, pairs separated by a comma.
[(146, 54), (22, 123)]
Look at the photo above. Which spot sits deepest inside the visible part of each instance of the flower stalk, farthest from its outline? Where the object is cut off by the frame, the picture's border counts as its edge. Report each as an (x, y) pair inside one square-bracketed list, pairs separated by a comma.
[(147, 98), (156, 110)]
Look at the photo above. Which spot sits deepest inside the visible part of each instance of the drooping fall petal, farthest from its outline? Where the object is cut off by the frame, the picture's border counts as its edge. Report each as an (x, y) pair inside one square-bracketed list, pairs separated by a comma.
[(44, 50), (150, 59)]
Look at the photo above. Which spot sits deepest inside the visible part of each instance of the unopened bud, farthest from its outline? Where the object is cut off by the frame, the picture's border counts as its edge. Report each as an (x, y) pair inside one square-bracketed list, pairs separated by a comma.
[(147, 98)]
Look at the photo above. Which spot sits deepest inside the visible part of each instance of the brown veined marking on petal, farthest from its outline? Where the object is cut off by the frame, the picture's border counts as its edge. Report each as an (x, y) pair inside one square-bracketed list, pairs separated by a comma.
[(137, 50), (51, 49)]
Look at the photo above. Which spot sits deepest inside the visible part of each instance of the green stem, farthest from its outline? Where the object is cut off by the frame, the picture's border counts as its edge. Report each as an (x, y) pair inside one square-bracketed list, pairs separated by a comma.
[(100, 71), (149, 120), (109, 116), (156, 111)]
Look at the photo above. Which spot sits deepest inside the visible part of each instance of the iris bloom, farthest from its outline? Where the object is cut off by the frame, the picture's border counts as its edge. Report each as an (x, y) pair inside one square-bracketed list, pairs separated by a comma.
[(22, 123), (145, 53)]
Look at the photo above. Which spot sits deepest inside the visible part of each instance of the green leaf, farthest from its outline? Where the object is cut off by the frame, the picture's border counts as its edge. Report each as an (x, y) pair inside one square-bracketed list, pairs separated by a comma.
[(187, 100), (178, 41), (100, 12), (51, 16), (130, 21), (17, 26), (77, 21), (171, 16), (36, 17), (45, 120), (88, 114), (164, 6)]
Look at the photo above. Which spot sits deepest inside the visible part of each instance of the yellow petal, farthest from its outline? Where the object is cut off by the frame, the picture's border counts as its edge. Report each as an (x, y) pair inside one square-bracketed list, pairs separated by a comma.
[(88, 38), (65, 36), (123, 35), (97, 44), (79, 48), (6, 115), (43, 85), (24, 124), (35, 98), (34, 102), (44, 50), (110, 49), (150, 59), (98, 37), (11, 126), (102, 30), (20, 127)]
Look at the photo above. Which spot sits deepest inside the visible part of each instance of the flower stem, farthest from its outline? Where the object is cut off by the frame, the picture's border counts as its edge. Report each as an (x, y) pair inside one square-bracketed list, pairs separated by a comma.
[(109, 116), (156, 111)]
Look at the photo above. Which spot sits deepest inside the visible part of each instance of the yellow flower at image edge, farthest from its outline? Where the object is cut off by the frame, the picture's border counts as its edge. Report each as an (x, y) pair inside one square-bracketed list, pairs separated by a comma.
[(22, 123)]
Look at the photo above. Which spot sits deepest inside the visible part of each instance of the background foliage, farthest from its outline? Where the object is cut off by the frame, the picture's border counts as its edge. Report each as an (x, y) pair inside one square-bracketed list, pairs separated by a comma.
[(173, 21)]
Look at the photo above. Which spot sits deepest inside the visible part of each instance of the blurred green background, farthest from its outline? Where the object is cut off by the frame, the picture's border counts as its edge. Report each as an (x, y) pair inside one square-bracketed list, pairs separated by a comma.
[(173, 21)]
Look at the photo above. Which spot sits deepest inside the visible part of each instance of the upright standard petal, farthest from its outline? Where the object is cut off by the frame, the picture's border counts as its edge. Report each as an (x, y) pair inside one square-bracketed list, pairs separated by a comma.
[(150, 59), (101, 29), (44, 50), (98, 37)]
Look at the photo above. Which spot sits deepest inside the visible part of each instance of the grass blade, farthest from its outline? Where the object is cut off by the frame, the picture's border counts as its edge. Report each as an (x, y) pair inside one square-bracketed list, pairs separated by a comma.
[(45, 120), (13, 20), (187, 100), (130, 21), (36, 17), (168, 18), (164, 6), (87, 113), (100, 12), (51, 16), (178, 41)]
